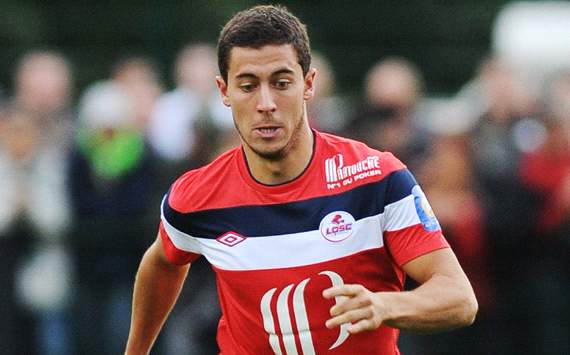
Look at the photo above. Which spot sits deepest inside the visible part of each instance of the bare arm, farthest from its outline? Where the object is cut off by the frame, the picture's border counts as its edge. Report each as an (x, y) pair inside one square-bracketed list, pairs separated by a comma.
[(445, 299), (157, 286)]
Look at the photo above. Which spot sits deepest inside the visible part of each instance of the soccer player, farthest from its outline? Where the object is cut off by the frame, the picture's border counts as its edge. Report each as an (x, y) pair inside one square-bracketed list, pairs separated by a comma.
[(310, 235)]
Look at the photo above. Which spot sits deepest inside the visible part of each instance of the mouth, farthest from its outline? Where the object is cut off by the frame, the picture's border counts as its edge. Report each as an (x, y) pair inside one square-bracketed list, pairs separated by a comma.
[(267, 131)]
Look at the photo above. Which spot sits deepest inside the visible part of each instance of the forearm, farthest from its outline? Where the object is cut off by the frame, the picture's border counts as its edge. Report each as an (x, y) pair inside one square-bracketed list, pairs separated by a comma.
[(445, 299), (157, 287), (441, 303)]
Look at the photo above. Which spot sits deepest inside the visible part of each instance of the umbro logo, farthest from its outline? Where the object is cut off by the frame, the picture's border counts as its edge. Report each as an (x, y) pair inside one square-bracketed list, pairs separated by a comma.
[(231, 238)]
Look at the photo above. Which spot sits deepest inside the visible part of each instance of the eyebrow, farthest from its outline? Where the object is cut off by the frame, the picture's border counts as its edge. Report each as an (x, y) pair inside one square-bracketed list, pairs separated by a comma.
[(246, 76), (275, 73), (282, 71)]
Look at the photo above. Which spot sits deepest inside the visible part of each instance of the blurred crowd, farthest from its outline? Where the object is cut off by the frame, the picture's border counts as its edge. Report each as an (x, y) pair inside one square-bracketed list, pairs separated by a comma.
[(83, 175)]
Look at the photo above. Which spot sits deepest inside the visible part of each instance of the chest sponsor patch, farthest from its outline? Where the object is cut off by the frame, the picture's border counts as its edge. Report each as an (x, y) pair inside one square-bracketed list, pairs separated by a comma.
[(338, 174), (424, 210)]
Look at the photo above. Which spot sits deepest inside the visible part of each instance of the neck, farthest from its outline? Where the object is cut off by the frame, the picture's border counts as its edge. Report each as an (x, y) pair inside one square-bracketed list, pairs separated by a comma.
[(286, 168)]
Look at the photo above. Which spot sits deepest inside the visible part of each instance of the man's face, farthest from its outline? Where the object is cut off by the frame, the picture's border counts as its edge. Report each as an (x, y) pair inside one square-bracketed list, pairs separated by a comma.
[(267, 91), (44, 83)]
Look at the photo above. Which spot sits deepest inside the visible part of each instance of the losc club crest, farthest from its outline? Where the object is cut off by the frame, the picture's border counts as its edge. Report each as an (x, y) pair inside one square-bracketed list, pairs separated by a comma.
[(337, 226)]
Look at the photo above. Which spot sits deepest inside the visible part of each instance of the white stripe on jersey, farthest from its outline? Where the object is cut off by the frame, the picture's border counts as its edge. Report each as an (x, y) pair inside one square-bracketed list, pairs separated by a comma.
[(268, 322), (280, 251), (297, 249), (180, 240), (285, 321), (302, 320), (400, 214)]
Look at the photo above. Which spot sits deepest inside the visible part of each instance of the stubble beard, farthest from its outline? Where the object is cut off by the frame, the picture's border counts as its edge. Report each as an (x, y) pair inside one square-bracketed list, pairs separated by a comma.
[(282, 152)]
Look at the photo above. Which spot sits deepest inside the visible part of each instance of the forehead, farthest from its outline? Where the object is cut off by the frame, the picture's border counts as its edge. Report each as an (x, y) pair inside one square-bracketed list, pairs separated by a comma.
[(263, 61)]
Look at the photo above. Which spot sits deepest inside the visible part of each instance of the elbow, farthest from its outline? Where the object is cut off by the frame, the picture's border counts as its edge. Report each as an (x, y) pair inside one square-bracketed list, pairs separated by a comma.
[(469, 310)]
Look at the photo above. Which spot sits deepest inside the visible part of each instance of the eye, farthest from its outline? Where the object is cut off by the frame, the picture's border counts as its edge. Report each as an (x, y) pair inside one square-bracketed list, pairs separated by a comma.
[(247, 87), (282, 84)]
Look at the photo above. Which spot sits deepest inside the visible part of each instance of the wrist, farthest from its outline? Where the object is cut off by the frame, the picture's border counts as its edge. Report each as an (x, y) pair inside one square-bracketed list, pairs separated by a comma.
[(393, 309)]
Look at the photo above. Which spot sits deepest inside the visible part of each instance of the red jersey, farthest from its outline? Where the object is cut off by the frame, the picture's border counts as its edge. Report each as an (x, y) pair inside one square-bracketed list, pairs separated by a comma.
[(354, 216)]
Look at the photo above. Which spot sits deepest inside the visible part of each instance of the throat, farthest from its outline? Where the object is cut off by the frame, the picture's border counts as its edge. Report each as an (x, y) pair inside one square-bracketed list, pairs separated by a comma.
[(277, 173)]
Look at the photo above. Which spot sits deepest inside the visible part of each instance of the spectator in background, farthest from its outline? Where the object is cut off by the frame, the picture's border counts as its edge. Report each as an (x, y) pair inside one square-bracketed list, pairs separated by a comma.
[(43, 87), (34, 138), (505, 128), (497, 148), (188, 128), (447, 175), (327, 111), (388, 118), (546, 172), (189, 121), (112, 185), (139, 77)]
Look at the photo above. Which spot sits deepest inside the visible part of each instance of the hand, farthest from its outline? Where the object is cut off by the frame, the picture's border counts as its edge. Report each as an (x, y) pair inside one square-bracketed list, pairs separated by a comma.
[(357, 305)]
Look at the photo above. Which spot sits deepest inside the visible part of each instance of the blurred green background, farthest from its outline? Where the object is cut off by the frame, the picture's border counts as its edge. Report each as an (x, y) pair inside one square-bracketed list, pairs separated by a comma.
[(446, 39)]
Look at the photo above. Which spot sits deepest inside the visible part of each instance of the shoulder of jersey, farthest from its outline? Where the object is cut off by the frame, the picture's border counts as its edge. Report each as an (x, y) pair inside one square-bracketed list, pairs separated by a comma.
[(220, 184), (191, 190), (356, 150)]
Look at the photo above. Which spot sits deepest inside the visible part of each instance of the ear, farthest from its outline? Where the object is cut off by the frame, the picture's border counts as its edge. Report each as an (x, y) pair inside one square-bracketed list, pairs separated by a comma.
[(310, 84), (223, 88)]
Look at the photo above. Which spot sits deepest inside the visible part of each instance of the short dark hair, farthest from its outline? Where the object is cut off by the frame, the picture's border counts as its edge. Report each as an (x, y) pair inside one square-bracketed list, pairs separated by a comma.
[(260, 26)]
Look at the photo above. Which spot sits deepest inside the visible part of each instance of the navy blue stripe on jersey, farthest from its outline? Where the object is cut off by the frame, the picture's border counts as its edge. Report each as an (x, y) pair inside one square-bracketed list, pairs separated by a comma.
[(400, 185), (292, 217)]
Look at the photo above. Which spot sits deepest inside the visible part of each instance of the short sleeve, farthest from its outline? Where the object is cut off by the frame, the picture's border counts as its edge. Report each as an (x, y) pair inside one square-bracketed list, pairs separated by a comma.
[(180, 247), (173, 254), (410, 228)]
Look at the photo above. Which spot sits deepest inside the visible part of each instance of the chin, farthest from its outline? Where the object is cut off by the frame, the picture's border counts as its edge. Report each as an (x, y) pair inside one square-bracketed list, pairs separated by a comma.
[(270, 154), (270, 151)]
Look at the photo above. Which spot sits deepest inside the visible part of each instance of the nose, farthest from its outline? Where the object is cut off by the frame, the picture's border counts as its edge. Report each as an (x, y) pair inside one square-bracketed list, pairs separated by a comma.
[(265, 103)]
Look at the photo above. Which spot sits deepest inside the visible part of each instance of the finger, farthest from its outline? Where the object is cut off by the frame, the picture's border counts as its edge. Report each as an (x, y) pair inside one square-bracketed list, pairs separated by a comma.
[(342, 290), (354, 315), (361, 326), (349, 304)]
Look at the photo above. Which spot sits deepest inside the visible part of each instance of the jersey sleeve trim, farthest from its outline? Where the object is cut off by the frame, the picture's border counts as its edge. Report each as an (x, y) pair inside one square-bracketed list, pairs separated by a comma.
[(400, 214), (173, 254), (407, 204), (411, 242), (180, 247), (409, 226)]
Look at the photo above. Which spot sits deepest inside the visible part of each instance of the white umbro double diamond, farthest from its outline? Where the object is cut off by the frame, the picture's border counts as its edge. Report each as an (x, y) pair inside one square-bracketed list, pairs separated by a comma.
[(231, 238)]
